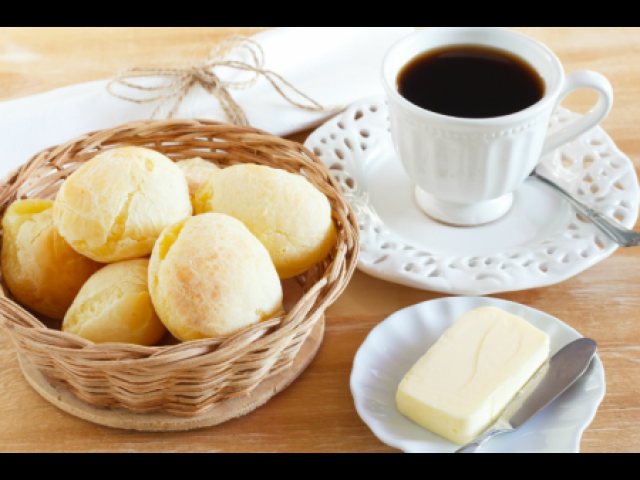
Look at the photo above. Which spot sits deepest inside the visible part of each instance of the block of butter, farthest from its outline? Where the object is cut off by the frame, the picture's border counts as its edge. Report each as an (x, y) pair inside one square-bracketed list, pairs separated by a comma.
[(460, 387)]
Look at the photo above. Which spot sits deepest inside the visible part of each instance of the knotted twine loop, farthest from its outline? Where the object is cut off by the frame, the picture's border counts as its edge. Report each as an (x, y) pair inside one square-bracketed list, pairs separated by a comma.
[(182, 80)]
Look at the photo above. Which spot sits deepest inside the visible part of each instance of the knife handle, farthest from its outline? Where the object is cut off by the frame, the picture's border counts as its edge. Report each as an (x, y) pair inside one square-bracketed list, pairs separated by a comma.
[(478, 443)]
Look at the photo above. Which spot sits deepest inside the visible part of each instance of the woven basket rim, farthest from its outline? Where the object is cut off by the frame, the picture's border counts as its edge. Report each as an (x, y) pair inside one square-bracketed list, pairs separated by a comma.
[(54, 351)]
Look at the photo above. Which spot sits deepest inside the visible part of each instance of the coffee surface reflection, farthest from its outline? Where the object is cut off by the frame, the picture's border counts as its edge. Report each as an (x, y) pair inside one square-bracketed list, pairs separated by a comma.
[(470, 81)]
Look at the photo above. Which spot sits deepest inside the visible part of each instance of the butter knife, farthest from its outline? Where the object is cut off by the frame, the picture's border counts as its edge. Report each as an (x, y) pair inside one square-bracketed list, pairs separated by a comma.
[(562, 371)]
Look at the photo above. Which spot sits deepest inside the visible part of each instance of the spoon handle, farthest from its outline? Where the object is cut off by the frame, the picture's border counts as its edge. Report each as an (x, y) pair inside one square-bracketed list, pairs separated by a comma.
[(619, 234)]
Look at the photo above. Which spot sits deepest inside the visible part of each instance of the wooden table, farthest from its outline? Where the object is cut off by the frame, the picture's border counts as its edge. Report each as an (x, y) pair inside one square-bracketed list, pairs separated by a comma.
[(316, 413)]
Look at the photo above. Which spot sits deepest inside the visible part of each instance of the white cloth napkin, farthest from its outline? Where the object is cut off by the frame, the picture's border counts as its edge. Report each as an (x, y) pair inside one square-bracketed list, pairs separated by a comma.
[(332, 65)]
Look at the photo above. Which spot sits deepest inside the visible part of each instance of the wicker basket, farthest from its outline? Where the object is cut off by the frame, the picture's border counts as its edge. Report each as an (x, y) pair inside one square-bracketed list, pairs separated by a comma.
[(187, 379)]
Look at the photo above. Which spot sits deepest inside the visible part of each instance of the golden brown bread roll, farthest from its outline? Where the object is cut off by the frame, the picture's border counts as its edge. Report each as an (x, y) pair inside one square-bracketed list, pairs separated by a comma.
[(114, 306), (116, 205), (42, 271), (196, 171), (210, 277), (284, 211)]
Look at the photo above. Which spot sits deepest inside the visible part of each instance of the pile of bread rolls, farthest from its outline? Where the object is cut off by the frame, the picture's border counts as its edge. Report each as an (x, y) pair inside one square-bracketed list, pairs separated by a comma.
[(135, 245)]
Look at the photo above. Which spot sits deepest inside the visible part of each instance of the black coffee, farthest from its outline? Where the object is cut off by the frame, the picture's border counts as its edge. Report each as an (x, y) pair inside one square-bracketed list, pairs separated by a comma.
[(470, 81)]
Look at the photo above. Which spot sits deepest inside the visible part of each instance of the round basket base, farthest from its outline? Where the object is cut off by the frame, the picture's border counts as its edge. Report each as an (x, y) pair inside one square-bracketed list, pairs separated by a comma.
[(158, 422)]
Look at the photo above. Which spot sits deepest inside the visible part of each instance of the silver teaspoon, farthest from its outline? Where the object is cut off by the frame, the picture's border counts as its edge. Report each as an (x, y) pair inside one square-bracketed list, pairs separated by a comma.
[(616, 232), (562, 371)]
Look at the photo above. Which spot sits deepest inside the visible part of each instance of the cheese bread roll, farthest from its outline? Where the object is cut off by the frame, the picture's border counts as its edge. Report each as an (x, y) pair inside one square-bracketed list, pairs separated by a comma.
[(42, 271), (196, 171), (116, 205), (284, 211), (210, 277), (114, 306)]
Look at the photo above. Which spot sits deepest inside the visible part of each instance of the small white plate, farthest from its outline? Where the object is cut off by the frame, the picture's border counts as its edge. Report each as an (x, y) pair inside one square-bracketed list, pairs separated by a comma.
[(395, 345), (541, 242)]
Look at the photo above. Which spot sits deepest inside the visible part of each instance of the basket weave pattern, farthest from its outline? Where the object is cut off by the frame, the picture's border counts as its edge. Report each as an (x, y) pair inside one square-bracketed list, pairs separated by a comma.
[(187, 379)]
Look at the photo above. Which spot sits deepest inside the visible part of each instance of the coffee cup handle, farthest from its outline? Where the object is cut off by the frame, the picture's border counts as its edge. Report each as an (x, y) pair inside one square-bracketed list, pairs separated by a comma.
[(575, 81)]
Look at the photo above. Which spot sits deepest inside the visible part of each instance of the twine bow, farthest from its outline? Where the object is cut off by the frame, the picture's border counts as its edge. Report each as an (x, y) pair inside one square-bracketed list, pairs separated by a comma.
[(182, 80)]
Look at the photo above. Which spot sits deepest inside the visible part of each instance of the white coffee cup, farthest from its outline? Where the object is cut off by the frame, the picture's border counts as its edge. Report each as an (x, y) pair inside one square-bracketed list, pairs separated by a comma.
[(466, 170)]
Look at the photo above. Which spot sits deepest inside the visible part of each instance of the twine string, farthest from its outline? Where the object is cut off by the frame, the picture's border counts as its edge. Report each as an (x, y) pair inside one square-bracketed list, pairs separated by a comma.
[(182, 80)]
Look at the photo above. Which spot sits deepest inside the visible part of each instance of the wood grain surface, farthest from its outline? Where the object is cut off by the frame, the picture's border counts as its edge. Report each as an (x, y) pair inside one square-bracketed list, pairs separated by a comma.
[(316, 413)]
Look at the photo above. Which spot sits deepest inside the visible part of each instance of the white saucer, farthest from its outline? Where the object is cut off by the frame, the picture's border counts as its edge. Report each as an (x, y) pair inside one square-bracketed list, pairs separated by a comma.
[(540, 242), (396, 344)]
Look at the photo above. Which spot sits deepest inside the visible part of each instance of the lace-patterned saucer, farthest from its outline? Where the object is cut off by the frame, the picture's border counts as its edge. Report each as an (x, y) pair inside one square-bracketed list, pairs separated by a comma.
[(541, 242)]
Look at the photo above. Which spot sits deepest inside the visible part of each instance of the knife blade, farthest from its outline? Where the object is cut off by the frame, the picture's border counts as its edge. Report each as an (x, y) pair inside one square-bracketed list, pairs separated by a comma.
[(562, 371)]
